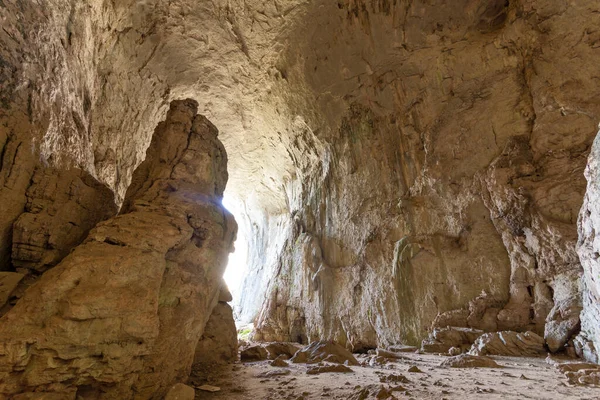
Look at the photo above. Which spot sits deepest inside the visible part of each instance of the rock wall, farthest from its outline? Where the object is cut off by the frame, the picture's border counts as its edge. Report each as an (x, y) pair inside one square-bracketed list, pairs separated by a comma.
[(452, 140), (120, 317), (218, 344), (62, 207), (588, 341)]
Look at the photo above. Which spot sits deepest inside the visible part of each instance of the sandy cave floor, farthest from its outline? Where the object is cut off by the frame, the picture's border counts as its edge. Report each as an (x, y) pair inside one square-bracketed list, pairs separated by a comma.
[(520, 378)]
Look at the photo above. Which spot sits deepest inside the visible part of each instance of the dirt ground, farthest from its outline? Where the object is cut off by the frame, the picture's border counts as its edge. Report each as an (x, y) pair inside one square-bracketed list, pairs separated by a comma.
[(520, 378)]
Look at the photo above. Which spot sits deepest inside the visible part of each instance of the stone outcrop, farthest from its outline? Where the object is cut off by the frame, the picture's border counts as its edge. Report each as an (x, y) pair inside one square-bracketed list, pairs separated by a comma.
[(120, 316), (324, 351), (442, 340), (270, 351), (588, 343), (62, 207), (255, 352), (581, 373), (8, 283), (218, 344), (470, 361), (507, 343)]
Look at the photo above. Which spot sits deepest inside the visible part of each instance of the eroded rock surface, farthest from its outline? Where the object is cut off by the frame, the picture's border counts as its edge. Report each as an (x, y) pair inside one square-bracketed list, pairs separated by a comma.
[(483, 166), (324, 351), (120, 317), (442, 340), (470, 361), (62, 207), (507, 343), (269, 351), (588, 248), (218, 344), (8, 283), (581, 373), (254, 353)]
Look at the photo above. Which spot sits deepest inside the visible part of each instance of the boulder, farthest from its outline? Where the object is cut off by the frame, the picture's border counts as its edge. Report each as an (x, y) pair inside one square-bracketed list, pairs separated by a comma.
[(324, 351), (224, 294), (254, 353), (328, 368), (279, 362), (562, 323), (179, 391), (389, 354), (441, 340), (470, 361), (403, 349), (218, 344), (277, 349), (508, 343)]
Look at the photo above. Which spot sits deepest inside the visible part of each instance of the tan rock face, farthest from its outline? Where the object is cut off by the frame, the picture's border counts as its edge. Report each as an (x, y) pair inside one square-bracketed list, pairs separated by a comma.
[(8, 283), (62, 207), (218, 344), (453, 153), (122, 314)]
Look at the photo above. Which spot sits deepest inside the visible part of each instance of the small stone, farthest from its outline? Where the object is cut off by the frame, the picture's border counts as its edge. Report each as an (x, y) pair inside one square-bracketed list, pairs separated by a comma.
[(470, 361), (179, 391), (414, 368), (393, 378), (279, 362), (455, 351), (270, 374), (328, 368), (209, 388), (389, 354)]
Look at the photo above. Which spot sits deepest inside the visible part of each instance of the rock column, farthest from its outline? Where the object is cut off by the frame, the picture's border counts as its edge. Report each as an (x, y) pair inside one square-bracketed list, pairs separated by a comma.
[(121, 315)]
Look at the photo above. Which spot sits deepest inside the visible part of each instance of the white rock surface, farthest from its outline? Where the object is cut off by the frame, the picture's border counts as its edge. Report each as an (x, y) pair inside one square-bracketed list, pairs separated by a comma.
[(588, 248)]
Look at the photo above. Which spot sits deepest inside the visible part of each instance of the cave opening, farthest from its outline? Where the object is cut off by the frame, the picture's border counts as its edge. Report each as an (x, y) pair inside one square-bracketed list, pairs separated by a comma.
[(237, 264)]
